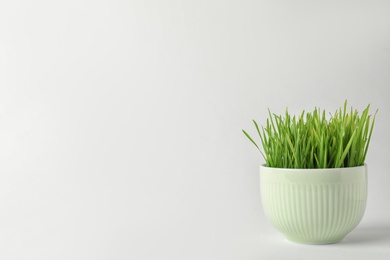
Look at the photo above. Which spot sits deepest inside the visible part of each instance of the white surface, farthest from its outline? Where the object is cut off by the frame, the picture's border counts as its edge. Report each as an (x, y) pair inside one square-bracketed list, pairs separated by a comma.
[(120, 123)]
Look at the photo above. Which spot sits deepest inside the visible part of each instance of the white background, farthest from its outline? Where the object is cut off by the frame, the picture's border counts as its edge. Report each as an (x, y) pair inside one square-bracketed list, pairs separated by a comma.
[(120, 123)]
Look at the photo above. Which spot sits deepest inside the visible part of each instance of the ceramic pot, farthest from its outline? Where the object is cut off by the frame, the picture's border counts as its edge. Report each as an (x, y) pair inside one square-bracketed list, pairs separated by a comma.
[(314, 206)]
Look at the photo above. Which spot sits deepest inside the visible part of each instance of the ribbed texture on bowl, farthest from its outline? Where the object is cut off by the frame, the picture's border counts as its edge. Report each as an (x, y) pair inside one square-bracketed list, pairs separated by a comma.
[(314, 207)]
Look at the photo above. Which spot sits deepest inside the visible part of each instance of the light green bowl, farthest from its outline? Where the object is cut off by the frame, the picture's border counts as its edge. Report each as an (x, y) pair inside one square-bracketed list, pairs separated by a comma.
[(314, 206)]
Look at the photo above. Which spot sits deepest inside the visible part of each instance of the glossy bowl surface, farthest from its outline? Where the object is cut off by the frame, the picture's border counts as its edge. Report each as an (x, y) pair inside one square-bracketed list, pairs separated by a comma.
[(314, 206)]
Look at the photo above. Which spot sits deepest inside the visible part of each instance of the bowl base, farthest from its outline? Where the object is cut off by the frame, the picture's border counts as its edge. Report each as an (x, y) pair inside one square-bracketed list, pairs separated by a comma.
[(315, 242)]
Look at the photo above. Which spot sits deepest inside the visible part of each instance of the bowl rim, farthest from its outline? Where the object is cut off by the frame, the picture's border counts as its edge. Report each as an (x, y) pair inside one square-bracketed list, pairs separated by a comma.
[(313, 169)]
